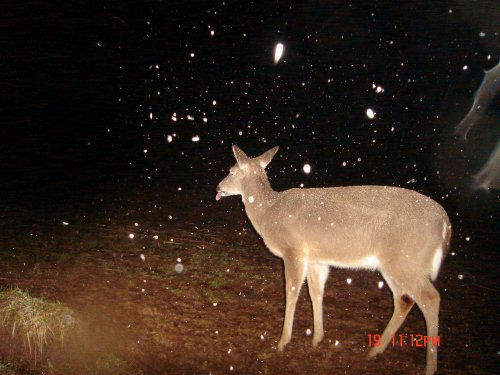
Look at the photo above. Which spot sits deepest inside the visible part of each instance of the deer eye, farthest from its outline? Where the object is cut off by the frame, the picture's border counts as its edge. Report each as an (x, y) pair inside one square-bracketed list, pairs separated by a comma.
[(232, 171)]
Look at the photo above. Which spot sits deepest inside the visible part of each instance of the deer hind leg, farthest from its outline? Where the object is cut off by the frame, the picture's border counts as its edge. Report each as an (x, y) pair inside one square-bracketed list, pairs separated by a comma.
[(402, 306), (421, 290), (316, 279), (295, 273), (428, 301)]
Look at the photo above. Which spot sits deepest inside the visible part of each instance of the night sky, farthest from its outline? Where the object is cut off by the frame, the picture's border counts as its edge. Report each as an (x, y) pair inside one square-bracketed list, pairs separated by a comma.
[(91, 92)]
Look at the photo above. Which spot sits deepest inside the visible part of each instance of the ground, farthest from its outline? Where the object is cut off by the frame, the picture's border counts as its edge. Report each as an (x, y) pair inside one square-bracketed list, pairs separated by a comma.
[(222, 311)]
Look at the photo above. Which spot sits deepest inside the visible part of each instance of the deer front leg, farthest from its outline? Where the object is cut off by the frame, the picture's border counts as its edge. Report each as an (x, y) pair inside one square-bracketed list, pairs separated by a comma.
[(316, 279), (295, 273)]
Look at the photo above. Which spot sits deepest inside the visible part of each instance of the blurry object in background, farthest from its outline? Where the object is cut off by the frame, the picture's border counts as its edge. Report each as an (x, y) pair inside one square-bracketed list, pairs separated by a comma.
[(489, 176), (482, 99)]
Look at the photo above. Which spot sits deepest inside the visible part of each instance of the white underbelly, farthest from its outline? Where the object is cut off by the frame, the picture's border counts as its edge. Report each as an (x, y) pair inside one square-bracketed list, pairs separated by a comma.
[(369, 263)]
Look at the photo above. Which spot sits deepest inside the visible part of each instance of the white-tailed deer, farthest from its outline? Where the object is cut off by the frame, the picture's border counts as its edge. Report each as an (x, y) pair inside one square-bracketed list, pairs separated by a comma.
[(399, 232)]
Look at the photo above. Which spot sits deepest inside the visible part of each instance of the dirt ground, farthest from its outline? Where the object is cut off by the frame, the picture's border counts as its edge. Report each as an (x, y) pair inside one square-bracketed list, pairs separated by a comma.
[(206, 297)]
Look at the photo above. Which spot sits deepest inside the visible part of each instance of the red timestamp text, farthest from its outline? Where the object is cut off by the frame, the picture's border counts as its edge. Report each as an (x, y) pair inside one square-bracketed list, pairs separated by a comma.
[(411, 340)]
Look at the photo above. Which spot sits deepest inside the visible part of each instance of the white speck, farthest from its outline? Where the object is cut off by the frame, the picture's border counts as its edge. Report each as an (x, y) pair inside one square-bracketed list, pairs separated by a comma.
[(191, 54), (370, 113), (293, 288), (214, 102), (380, 284), (344, 163), (190, 118), (465, 67), (452, 253), (278, 52), (179, 188), (179, 260), (450, 11), (250, 199), (195, 138), (155, 237), (337, 342), (308, 332), (461, 277), (307, 168), (482, 34), (169, 138), (467, 239), (378, 89), (136, 224), (392, 129), (150, 115), (131, 235), (349, 280), (179, 268), (143, 257), (212, 32), (214, 304), (231, 368), (262, 337), (145, 151), (359, 160), (174, 117), (205, 119), (65, 223), (229, 351)]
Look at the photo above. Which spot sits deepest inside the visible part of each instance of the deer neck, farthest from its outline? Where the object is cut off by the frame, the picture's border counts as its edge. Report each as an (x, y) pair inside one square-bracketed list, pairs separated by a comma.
[(257, 197)]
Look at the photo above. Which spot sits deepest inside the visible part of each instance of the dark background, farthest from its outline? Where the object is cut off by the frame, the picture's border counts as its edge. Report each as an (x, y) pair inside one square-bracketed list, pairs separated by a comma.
[(79, 81)]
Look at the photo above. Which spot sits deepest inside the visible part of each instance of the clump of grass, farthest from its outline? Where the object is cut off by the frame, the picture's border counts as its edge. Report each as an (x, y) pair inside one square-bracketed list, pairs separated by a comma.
[(35, 320)]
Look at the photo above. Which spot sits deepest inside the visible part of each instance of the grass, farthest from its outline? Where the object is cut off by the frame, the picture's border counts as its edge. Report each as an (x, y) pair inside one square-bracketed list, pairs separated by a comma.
[(35, 320)]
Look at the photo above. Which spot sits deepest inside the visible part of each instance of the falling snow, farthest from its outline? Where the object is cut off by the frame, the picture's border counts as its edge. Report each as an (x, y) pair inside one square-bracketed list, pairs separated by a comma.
[(369, 113), (278, 52)]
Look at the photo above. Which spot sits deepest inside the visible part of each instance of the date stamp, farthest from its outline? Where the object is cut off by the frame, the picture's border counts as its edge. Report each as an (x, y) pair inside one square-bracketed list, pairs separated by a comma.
[(406, 340)]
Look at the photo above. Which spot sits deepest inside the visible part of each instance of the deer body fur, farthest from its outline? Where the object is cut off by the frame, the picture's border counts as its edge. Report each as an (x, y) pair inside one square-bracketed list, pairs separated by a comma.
[(399, 232)]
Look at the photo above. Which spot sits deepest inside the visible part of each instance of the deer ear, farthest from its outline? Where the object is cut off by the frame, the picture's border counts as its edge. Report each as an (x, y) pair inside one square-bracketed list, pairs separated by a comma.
[(241, 157), (267, 156)]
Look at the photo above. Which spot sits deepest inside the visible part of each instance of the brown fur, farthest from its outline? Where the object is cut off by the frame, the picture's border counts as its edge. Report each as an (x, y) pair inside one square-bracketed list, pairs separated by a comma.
[(399, 232)]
